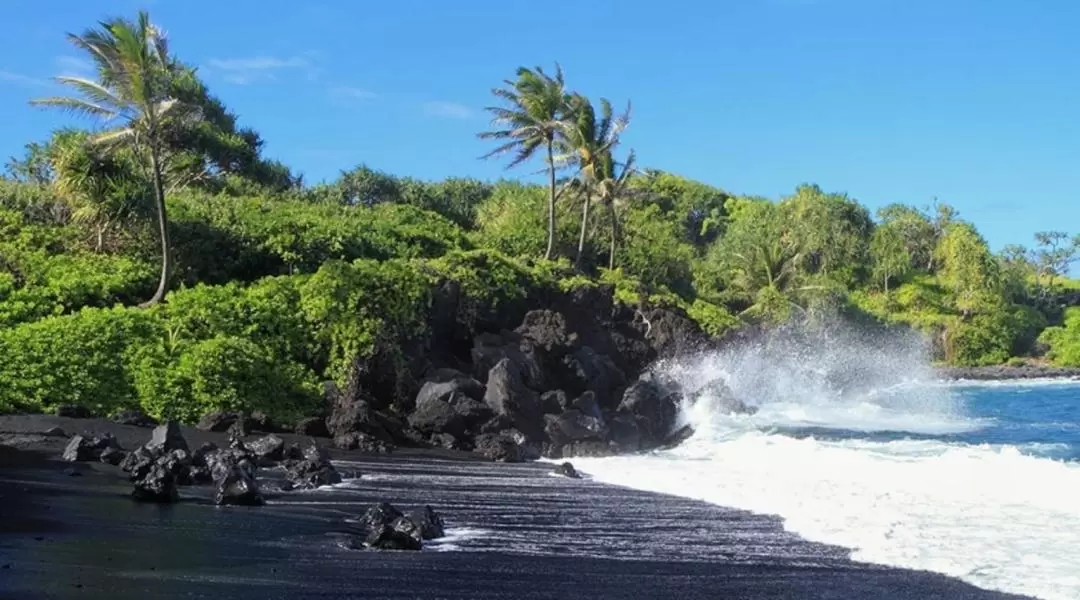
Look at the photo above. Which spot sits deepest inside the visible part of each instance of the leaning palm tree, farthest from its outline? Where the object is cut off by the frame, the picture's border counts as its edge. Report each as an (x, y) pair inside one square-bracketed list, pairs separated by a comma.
[(532, 120), (133, 91), (612, 191), (586, 141)]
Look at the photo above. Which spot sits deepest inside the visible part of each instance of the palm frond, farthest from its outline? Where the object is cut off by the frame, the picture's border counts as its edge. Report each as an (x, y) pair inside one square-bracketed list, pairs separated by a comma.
[(78, 106), (96, 92)]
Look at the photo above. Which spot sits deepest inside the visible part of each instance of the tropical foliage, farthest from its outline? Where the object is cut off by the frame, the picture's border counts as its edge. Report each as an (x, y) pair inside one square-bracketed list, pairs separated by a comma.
[(263, 287)]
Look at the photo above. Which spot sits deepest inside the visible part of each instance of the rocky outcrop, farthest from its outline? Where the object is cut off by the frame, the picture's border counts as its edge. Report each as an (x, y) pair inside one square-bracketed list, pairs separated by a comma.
[(719, 399), (362, 442), (654, 405), (508, 383), (353, 413), (491, 349), (574, 426), (508, 396)]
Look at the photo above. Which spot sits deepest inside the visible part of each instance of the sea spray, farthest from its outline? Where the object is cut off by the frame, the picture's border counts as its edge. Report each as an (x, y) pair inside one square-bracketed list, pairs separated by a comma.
[(837, 374), (993, 514)]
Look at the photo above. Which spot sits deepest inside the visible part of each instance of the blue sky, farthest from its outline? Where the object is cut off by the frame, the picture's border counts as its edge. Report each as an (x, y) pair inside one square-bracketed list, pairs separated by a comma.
[(974, 102)]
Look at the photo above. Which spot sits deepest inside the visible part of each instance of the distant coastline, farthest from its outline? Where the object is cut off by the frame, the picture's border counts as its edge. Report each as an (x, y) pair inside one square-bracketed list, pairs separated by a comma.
[(1002, 372)]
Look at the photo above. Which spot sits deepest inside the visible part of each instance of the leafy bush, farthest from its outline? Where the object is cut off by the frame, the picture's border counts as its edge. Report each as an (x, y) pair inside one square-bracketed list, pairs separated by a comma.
[(714, 320), (84, 358), (653, 251), (222, 373), (261, 236), (353, 307), (1064, 340)]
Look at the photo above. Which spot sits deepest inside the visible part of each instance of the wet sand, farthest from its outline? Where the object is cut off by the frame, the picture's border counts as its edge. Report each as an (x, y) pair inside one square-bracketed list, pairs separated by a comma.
[(516, 532)]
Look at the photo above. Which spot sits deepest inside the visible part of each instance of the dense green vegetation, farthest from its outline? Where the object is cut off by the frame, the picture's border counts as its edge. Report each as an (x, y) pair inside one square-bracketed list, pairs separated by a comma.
[(261, 287)]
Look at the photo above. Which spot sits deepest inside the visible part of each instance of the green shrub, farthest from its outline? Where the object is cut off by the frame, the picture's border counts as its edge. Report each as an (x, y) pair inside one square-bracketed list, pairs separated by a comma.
[(262, 236), (653, 251), (222, 373), (1064, 340), (714, 320), (83, 358), (351, 308)]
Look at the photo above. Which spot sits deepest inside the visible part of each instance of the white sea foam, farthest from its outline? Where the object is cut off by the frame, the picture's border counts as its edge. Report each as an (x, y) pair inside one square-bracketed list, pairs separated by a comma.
[(993, 515), (456, 538)]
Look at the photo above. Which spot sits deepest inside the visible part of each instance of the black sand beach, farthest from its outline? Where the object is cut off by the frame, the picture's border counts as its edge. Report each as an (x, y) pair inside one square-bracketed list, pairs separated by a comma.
[(515, 532)]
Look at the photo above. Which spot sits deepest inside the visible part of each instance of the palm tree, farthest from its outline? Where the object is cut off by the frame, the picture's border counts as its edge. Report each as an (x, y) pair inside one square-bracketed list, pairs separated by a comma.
[(133, 88), (612, 190), (586, 141), (532, 120)]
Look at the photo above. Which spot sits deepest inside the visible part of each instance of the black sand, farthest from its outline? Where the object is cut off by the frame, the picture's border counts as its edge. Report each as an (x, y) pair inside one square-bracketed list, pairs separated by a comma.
[(64, 536)]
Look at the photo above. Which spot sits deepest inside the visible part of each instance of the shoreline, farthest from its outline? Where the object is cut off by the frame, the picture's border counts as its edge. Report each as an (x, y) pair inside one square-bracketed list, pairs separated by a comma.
[(539, 537), (1006, 372)]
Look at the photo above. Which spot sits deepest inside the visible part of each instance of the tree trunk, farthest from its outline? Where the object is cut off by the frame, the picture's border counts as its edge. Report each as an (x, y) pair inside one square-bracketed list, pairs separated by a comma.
[(584, 227), (614, 235), (551, 204), (163, 227)]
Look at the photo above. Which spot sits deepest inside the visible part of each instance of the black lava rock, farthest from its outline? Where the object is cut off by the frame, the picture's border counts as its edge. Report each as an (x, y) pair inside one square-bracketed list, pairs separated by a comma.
[(157, 485), (430, 523), (567, 470), (135, 418)]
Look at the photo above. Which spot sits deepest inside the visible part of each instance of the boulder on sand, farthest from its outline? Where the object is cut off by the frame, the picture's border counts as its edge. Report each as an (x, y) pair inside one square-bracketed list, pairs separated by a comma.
[(389, 529), (310, 472), (430, 523), (112, 456), (235, 481), (382, 513), (362, 442), (402, 534), (499, 447), (567, 470), (218, 421), (269, 447), (134, 417), (157, 485), (166, 438), (86, 448), (313, 427)]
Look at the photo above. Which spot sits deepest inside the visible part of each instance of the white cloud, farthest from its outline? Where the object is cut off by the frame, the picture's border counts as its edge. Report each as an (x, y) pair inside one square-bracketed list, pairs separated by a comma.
[(447, 110), (242, 71), (351, 93), (258, 63), (74, 66), (20, 79)]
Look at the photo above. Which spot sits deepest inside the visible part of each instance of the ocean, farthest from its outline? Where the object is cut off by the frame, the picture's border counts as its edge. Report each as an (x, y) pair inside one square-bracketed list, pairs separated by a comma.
[(857, 445)]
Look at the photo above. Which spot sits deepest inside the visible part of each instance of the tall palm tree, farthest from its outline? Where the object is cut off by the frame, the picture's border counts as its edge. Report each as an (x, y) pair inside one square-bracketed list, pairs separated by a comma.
[(586, 141), (612, 190), (132, 89), (532, 119)]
